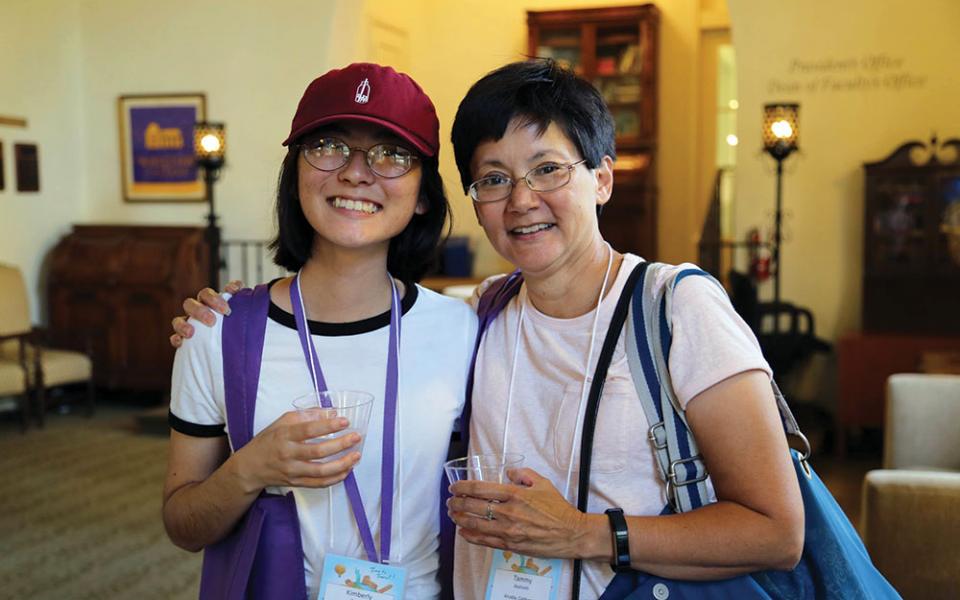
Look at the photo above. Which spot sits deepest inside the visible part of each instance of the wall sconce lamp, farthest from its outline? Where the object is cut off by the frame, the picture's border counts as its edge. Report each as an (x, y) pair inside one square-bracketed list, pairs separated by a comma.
[(781, 128), (209, 150)]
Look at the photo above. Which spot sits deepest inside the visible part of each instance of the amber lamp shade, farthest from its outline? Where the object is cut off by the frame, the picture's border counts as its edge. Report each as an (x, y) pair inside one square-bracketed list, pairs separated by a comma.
[(209, 144), (781, 129)]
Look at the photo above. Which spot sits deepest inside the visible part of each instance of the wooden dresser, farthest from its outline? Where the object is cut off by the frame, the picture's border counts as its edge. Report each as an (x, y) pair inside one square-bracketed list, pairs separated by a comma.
[(114, 288)]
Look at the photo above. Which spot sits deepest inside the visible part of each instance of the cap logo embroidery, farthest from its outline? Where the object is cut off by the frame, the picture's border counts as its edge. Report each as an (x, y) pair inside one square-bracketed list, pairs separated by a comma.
[(363, 92)]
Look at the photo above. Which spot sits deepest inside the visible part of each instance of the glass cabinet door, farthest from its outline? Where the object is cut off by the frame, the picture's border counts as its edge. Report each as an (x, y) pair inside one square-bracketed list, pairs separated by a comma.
[(563, 45), (897, 226), (948, 224), (618, 70)]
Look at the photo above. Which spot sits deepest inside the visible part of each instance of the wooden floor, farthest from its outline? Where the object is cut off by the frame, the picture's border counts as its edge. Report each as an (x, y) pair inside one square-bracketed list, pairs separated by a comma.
[(844, 479)]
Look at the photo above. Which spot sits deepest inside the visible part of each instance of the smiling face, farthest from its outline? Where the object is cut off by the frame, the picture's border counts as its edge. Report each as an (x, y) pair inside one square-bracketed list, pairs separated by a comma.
[(352, 207), (541, 232)]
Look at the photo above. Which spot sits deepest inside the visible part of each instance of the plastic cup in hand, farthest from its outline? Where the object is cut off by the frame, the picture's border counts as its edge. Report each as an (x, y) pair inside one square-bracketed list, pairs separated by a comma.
[(483, 467), (353, 406)]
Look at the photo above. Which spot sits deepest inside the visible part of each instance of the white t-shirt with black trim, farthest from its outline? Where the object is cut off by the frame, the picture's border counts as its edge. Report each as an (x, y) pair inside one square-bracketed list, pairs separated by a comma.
[(437, 335), (710, 343)]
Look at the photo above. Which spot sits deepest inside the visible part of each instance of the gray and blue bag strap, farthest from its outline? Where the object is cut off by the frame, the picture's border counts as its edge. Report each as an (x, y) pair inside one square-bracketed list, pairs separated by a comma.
[(681, 465), (263, 556), (491, 303)]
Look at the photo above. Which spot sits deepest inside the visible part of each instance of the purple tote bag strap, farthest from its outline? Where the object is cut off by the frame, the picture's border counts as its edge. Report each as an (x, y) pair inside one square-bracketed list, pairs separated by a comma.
[(491, 303), (243, 335), (263, 556)]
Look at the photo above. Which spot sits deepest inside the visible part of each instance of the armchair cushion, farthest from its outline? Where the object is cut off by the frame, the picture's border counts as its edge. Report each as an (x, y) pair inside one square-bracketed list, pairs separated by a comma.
[(11, 378), (14, 307), (911, 527), (59, 366)]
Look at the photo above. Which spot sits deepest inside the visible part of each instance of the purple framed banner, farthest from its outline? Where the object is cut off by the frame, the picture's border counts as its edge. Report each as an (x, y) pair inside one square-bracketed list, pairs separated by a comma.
[(156, 147)]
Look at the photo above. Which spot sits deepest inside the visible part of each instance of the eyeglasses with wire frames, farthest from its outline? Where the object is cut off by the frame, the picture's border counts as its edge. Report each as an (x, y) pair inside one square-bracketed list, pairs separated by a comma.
[(542, 178), (385, 160)]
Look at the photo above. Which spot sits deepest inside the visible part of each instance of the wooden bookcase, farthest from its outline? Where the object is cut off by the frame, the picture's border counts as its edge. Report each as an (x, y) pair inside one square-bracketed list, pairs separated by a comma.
[(911, 277), (615, 49)]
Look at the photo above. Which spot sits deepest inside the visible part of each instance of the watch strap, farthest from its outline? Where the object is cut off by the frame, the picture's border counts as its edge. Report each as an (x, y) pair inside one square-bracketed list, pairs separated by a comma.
[(621, 539)]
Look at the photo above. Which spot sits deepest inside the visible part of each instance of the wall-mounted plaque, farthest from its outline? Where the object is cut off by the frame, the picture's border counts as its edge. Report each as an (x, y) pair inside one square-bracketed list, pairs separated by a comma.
[(27, 166)]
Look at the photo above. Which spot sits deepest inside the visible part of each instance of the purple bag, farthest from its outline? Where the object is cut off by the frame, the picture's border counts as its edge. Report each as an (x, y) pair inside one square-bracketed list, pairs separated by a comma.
[(263, 556)]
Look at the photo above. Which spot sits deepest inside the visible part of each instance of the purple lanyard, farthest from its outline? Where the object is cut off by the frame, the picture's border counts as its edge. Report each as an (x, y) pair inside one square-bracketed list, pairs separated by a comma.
[(389, 423)]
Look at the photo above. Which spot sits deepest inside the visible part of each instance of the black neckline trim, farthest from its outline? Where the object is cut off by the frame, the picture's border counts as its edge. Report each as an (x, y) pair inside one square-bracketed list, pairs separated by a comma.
[(282, 317)]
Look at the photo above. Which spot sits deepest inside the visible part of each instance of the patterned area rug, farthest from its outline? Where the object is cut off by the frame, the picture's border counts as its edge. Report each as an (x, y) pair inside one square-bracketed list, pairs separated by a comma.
[(80, 516)]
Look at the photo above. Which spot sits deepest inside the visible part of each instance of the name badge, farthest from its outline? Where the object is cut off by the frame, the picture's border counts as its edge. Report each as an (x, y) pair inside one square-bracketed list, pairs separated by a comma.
[(347, 578), (517, 577)]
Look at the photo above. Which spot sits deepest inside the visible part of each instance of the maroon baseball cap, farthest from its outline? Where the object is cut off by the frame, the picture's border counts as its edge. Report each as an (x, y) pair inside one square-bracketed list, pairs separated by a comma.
[(373, 94)]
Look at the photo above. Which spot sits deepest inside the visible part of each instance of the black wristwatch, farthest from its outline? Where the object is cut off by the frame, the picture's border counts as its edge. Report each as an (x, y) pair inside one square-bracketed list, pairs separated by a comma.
[(621, 540)]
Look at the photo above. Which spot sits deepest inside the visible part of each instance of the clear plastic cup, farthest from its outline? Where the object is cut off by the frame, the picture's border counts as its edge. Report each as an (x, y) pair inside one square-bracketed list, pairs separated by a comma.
[(483, 467), (352, 405)]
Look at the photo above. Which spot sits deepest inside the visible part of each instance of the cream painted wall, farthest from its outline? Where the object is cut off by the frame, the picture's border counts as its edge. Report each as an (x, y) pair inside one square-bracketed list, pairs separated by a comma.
[(253, 66), (40, 81), (892, 78), (465, 39)]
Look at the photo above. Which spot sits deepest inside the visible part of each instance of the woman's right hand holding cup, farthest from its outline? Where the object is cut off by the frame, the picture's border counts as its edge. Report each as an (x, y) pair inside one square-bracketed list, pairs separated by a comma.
[(287, 453)]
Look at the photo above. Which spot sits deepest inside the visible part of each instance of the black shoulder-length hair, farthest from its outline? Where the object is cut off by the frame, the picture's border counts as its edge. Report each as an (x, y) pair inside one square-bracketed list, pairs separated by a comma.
[(539, 92), (412, 252)]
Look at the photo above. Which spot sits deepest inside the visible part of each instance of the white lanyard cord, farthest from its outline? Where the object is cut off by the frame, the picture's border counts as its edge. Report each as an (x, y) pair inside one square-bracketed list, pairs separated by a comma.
[(316, 388), (586, 373), (513, 376)]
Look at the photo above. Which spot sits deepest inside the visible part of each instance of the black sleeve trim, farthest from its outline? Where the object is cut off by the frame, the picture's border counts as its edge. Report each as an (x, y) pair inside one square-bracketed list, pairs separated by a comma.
[(192, 429)]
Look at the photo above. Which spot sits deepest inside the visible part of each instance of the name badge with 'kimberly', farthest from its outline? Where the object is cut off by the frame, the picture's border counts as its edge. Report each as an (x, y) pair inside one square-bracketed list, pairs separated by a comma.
[(346, 578), (517, 577)]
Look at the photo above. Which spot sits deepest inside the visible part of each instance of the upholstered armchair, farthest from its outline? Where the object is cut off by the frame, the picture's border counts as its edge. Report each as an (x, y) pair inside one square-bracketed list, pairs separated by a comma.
[(14, 371), (21, 346), (911, 507)]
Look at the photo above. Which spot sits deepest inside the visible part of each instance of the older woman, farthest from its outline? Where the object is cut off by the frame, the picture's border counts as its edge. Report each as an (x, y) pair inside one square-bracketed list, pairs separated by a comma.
[(535, 148)]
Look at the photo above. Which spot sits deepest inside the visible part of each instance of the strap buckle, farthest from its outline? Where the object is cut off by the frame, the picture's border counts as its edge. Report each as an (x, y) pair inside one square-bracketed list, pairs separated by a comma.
[(657, 434), (674, 483)]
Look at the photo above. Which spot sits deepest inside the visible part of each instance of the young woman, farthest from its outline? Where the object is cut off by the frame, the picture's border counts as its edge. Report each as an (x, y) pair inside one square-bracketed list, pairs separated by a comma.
[(360, 210)]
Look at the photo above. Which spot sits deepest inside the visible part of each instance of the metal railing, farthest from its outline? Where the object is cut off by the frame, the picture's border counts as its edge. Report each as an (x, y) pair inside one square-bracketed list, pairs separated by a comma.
[(249, 261)]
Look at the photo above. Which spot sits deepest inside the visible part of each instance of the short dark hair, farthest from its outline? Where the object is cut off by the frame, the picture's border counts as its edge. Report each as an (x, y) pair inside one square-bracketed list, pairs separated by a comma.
[(412, 252), (539, 92)]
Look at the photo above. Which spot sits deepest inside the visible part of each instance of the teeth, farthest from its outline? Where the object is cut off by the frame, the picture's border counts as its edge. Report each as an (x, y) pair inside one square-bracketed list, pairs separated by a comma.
[(357, 205), (532, 228)]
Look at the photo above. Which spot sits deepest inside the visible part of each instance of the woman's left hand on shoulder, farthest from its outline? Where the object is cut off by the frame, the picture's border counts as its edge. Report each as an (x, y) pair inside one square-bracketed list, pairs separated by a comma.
[(528, 517)]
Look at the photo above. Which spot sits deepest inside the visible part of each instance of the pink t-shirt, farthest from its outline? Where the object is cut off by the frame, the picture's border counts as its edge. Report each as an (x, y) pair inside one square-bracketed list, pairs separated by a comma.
[(710, 343)]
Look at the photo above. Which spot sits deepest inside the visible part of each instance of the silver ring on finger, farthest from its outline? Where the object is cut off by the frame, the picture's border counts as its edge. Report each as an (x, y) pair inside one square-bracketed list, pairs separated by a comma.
[(489, 516)]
